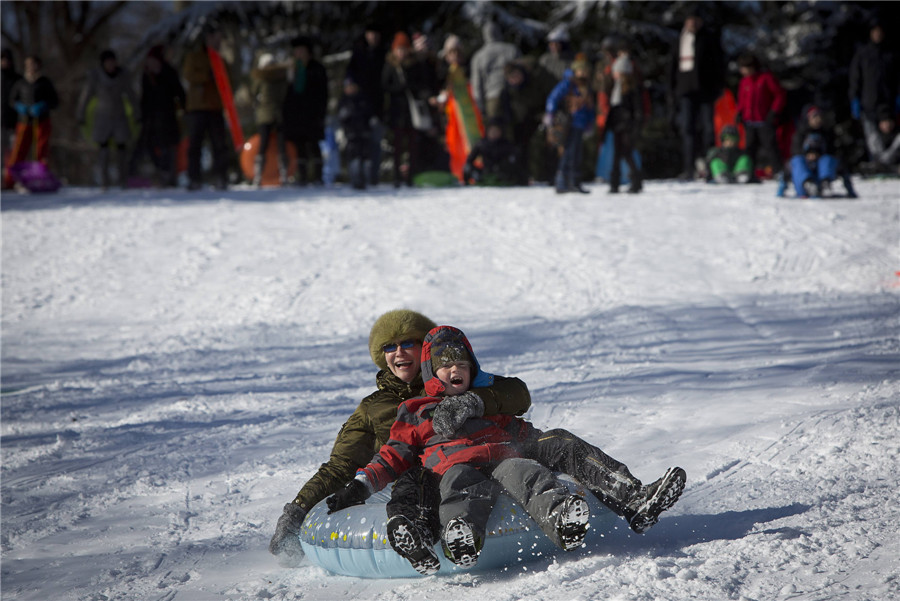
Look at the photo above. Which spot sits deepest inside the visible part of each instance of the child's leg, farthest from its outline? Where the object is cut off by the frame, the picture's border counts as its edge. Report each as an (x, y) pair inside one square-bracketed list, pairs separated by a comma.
[(412, 525), (562, 451), (467, 499), (800, 173), (827, 167), (545, 499)]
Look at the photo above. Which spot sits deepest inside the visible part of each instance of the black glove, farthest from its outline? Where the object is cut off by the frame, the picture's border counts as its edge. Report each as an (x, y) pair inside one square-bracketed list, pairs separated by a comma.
[(452, 412), (286, 541), (355, 493)]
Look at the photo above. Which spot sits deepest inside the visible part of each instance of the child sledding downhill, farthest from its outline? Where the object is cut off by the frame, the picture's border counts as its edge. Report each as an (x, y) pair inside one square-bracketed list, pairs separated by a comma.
[(813, 165), (463, 475)]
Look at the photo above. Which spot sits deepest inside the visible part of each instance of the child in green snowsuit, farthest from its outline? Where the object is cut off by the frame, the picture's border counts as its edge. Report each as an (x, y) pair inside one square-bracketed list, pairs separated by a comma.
[(728, 163)]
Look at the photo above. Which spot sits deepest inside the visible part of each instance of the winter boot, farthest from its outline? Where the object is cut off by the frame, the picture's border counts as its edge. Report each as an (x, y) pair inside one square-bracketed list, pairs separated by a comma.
[(282, 171), (637, 183), (461, 546), (572, 522), (848, 185), (258, 170), (644, 509), (413, 544)]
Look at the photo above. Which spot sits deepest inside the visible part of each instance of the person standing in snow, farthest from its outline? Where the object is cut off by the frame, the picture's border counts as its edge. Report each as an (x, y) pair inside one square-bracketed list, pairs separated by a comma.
[(558, 56), (365, 68), (162, 96), (111, 85), (874, 81), (487, 76), (464, 473), (620, 101), (268, 88), (356, 117), (32, 97), (9, 117), (395, 345), (569, 110), (522, 103), (203, 112), (760, 101), (305, 109), (696, 79)]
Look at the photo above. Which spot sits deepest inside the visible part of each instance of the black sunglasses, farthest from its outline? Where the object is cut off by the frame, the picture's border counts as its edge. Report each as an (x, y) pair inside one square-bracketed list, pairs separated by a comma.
[(390, 347)]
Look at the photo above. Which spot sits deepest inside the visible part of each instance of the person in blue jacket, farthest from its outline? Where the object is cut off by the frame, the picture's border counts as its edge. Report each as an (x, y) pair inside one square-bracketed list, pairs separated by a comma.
[(570, 111)]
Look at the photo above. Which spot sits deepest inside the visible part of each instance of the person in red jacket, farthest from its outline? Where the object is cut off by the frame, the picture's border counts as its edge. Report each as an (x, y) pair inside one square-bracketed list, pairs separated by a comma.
[(467, 469), (760, 102)]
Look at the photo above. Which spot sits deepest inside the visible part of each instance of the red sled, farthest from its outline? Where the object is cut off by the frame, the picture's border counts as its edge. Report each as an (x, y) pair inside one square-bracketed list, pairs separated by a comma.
[(35, 176)]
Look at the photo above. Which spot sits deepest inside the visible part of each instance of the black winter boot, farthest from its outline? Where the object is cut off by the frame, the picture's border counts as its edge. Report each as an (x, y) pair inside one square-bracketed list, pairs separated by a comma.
[(413, 544), (572, 522), (643, 511), (461, 545)]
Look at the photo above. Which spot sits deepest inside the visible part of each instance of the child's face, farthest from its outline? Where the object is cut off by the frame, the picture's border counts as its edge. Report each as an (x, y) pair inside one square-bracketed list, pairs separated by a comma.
[(456, 377), (729, 142), (814, 120), (886, 126)]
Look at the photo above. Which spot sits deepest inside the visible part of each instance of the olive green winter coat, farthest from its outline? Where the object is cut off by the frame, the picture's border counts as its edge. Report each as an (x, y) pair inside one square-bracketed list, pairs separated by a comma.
[(363, 435), (269, 87)]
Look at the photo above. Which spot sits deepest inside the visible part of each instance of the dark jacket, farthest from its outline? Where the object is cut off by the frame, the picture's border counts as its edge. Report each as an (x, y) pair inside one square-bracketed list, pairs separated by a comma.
[(306, 103), (501, 161), (9, 78), (523, 105), (873, 77), (268, 86), (365, 68), (707, 78), (161, 96), (396, 79), (484, 441), (355, 114), (803, 130), (42, 90), (370, 425)]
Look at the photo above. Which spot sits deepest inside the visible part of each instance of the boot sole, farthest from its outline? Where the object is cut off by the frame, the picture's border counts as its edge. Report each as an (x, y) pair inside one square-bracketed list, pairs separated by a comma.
[(459, 543), (407, 542), (665, 496), (572, 522)]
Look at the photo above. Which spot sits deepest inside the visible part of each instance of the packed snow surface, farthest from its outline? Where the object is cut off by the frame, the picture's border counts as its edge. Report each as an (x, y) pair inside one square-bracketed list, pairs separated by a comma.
[(175, 366)]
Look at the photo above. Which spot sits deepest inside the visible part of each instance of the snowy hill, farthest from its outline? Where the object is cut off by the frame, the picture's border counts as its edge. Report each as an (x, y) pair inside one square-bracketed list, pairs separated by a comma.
[(175, 366)]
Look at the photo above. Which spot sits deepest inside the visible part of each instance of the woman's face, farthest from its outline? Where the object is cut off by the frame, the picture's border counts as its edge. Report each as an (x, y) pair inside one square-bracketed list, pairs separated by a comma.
[(404, 362)]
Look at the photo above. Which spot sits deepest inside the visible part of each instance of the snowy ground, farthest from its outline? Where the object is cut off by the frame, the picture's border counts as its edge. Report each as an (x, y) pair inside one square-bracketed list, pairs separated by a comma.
[(175, 366)]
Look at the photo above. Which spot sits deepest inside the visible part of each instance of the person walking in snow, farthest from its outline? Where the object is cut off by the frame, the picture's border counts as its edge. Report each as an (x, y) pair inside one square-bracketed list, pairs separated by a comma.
[(760, 101), (487, 70), (356, 117), (365, 68), (268, 89), (162, 96), (467, 469), (620, 99), (569, 112)]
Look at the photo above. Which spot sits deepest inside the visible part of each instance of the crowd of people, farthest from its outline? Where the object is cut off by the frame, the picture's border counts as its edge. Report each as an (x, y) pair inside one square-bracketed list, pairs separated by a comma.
[(490, 117)]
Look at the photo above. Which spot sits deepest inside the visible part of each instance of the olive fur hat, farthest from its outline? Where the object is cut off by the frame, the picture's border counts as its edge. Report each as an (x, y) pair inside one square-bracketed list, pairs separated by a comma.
[(398, 324)]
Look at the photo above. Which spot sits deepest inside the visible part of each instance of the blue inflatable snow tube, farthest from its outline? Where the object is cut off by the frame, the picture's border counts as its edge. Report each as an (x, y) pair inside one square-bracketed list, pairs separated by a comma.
[(353, 541)]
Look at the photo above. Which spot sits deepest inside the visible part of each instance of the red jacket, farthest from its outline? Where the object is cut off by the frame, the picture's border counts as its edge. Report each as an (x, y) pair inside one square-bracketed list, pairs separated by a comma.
[(485, 440), (759, 95)]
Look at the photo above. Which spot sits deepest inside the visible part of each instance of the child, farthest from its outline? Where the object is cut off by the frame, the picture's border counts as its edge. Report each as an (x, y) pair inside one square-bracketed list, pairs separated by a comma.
[(33, 97), (355, 114), (625, 115), (573, 98), (813, 162), (760, 101), (269, 87), (499, 159), (728, 164), (884, 144), (467, 470)]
